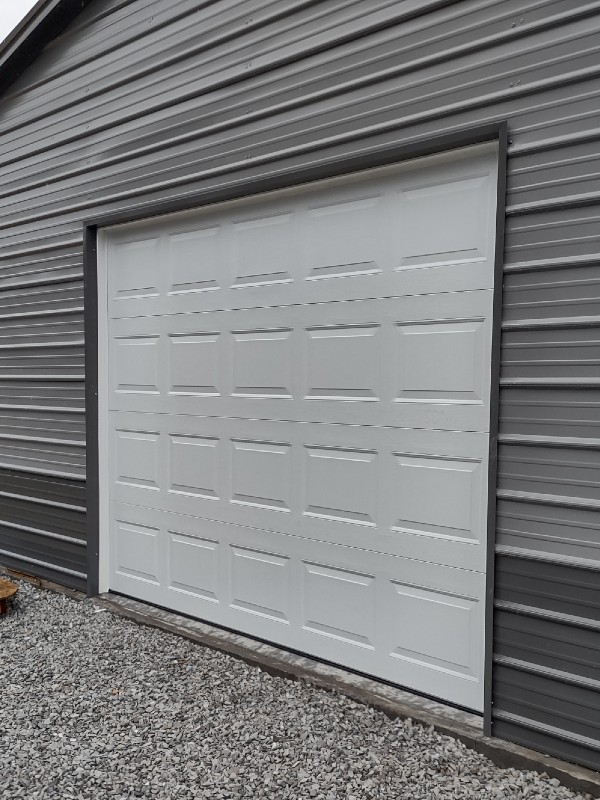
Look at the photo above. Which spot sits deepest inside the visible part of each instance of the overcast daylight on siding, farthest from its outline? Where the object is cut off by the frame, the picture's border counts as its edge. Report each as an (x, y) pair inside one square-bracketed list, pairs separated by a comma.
[(142, 101)]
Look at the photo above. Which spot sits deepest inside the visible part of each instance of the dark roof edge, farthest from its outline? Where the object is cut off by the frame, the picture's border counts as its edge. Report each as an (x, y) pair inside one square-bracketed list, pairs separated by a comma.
[(46, 20)]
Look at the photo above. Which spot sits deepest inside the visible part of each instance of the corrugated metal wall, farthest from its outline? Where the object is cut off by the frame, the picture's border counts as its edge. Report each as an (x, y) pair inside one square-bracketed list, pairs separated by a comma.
[(141, 100)]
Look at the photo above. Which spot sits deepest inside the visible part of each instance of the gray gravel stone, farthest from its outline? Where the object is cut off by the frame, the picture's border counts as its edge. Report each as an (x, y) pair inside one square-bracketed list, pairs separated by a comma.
[(95, 706)]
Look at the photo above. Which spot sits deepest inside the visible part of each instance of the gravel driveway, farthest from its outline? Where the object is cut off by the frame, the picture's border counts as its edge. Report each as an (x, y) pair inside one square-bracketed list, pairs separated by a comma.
[(95, 706)]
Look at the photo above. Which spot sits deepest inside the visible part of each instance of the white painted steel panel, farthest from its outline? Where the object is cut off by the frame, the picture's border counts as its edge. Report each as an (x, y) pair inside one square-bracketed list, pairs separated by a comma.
[(298, 417), (415, 623), (419, 362), (407, 492)]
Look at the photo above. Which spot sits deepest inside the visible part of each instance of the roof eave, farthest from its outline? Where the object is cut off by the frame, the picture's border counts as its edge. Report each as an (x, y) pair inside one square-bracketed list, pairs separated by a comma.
[(46, 20)]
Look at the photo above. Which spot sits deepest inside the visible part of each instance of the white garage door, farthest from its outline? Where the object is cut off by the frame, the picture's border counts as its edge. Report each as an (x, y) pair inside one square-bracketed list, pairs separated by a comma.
[(296, 417)]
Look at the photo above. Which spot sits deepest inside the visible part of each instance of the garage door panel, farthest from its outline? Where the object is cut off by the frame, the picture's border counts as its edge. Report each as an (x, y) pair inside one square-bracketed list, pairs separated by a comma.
[(460, 232), (193, 363), (408, 362), (192, 565), (407, 492), (135, 364), (256, 265), (187, 273), (403, 282), (438, 496), (298, 412), (137, 269), (137, 550), (138, 453), (428, 415), (350, 238), (399, 619)]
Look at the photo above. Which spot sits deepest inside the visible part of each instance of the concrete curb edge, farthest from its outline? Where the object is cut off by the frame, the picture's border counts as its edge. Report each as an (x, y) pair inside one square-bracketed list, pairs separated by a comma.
[(395, 703)]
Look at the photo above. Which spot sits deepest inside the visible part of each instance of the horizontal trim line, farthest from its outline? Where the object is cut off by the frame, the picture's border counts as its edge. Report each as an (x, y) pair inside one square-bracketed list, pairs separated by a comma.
[(41, 501), (548, 616), (555, 142), (555, 204), (45, 534), (41, 345), (52, 312), (548, 730), (581, 383), (58, 409), (48, 472), (42, 281), (548, 672), (42, 440), (550, 441), (552, 322), (50, 378), (546, 558), (45, 564), (554, 263), (42, 249), (549, 499)]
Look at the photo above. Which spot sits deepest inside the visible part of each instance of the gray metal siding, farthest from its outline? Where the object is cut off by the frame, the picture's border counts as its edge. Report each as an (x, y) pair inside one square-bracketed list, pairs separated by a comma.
[(140, 101), (42, 526), (547, 654)]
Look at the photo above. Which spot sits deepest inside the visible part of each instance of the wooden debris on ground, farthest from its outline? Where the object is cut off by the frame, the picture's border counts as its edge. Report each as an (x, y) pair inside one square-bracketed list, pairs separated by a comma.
[(8, 589)]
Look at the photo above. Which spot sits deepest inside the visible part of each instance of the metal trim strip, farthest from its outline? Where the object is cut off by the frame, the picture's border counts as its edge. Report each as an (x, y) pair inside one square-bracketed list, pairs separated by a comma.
[(46, 534), (548, 672), (542, 556), (549, 499), (549, 730), (495, 365), (48, 472), (43, 502), (553, 616), (44, 564)]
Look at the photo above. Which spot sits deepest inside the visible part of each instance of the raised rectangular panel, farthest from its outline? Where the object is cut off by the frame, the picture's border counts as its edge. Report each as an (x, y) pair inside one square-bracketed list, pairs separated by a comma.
[(134, 269), (137, 458), (441, 361), (193, 565), (444, 223), (343, 362), (264, 250), (194, 363), (344, 238), (195, 260), (136, 551), (260, 583), (262, 363), (433, 628), (262, 474), (437, 496), (194, 465), (339, 603), (341, 485), (136, 364)]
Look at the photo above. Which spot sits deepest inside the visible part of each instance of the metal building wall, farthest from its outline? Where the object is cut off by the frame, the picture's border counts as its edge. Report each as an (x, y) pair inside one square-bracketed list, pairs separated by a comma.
[(142, 100)]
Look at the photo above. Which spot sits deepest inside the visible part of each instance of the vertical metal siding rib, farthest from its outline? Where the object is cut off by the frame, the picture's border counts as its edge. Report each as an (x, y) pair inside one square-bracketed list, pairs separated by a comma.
[(221, 100)]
